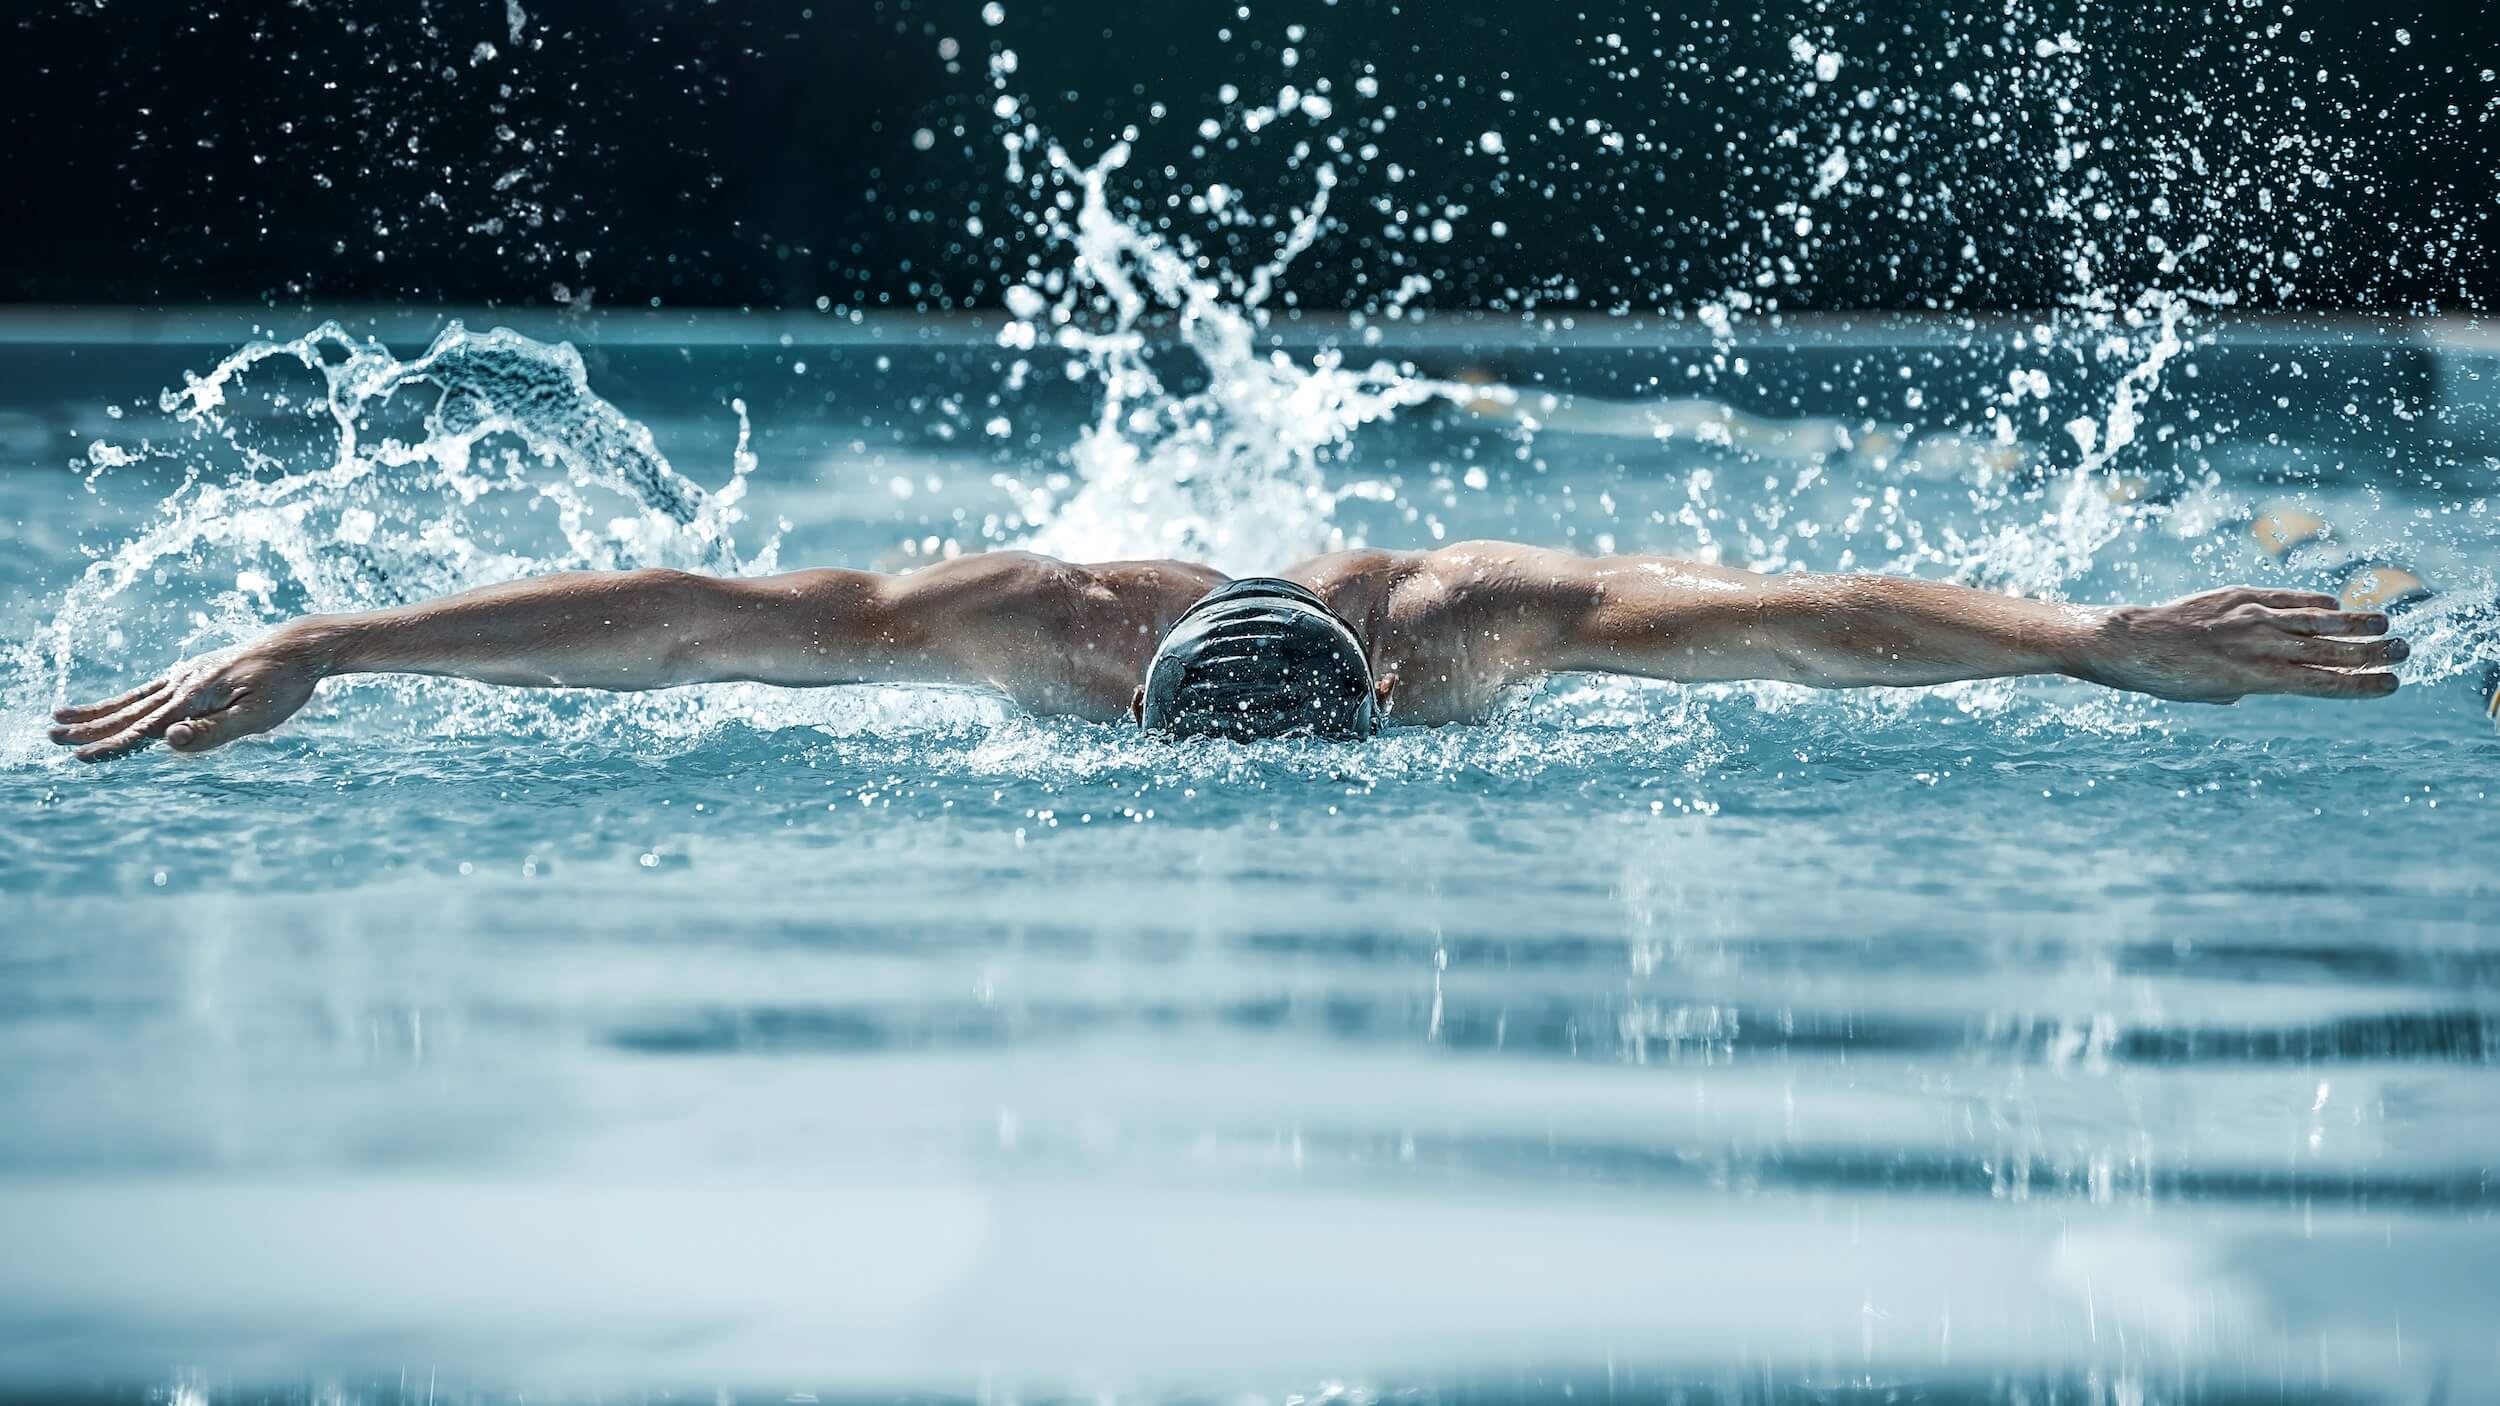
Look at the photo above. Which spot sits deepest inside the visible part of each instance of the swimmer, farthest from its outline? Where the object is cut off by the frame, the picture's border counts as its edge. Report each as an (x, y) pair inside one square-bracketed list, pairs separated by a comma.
[(1335, 647)]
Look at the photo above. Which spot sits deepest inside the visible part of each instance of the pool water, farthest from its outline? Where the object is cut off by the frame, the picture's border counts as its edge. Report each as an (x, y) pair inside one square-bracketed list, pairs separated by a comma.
[(2006, 1042)]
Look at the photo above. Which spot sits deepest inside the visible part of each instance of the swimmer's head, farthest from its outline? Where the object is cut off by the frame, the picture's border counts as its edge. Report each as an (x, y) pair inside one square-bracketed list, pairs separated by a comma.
[(1260, 657)]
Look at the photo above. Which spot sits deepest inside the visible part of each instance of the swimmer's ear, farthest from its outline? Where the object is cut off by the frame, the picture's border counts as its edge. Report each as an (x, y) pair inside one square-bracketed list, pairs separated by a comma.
[(1137, 706), (1381, 689)]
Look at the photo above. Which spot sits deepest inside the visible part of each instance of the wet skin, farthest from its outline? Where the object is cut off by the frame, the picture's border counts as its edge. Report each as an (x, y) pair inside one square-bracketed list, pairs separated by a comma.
[(1449, 632)]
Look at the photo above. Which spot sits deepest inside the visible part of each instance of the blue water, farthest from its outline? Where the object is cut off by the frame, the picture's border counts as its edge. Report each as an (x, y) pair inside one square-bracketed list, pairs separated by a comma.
[(2007, 1042)]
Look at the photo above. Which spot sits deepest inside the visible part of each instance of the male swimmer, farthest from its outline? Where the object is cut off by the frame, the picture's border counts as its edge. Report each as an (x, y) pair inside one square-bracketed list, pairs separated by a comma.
[(1333, 648)]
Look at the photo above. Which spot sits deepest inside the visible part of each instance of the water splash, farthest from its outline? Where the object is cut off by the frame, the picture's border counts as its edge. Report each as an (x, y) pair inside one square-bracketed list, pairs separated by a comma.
[(484, 458), (2090, 506), (1231, 473), (491, 383)]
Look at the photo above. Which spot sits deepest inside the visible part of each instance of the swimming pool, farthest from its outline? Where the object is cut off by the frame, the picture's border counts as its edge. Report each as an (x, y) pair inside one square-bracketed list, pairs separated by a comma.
[(2009, 1042)]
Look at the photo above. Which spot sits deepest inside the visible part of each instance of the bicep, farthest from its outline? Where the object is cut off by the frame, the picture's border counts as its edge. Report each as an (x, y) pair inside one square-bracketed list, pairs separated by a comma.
[(956, 622), (807, 628)]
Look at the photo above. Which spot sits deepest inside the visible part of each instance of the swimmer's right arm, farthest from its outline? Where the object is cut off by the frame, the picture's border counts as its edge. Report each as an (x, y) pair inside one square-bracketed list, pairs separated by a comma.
[(627, 630)]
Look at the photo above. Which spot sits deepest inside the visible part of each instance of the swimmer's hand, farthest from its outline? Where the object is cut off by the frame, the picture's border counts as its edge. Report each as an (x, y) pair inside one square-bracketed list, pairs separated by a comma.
[(202, 703), (2221, 646)]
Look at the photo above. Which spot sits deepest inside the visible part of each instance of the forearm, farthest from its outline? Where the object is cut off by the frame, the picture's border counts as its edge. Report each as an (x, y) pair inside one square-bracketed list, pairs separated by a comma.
[(1703, 624), (608, 630), (1863, 631)]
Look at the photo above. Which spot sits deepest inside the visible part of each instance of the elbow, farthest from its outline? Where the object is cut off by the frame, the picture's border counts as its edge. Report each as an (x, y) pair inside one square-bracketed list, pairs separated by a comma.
[(691, 625), (665, 581)]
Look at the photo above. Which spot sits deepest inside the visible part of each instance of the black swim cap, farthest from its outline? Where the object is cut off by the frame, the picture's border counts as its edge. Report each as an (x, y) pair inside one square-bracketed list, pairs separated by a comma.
[(1260, 657)]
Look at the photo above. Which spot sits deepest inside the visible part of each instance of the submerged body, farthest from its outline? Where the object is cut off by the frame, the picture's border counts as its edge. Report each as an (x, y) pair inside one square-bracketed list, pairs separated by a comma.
[(1445, 634)]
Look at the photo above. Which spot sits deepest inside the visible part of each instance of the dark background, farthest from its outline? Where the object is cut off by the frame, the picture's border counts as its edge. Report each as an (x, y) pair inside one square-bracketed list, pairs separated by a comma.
[(170, 152)]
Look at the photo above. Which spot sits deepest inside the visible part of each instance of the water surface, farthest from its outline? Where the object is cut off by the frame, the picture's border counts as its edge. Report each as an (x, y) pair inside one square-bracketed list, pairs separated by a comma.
[(2007, 1042)]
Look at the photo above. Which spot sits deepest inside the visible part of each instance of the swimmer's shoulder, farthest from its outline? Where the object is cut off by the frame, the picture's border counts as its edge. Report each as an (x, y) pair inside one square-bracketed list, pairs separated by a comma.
[(1047, 579), (1355, 583), (1458, 571), (1471, 573), (1374, 567), (1159, 584)]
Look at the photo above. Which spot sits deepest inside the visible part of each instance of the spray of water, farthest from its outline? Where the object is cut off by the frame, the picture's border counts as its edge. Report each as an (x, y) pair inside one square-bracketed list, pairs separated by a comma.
[(486, 457), (1230, 473)]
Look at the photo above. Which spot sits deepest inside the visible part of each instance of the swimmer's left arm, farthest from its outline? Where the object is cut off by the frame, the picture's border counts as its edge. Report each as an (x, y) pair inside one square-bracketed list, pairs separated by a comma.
[(1699, 623)]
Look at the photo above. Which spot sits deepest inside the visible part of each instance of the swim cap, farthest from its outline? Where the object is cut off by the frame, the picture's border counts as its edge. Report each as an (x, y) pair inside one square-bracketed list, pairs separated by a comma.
[(1260, 657)]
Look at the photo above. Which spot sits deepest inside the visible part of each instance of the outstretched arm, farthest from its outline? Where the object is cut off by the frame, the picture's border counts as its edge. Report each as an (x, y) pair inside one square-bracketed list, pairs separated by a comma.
[(1004, 619), (1681, 620)]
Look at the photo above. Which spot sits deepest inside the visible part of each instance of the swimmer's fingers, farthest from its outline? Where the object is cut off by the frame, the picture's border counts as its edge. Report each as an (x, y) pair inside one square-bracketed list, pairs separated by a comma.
[(2285, 600), (2331, 683), (190, 695), (135, 734), (2346, 654), (101, 724), (88, 712), (2331, 622)]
